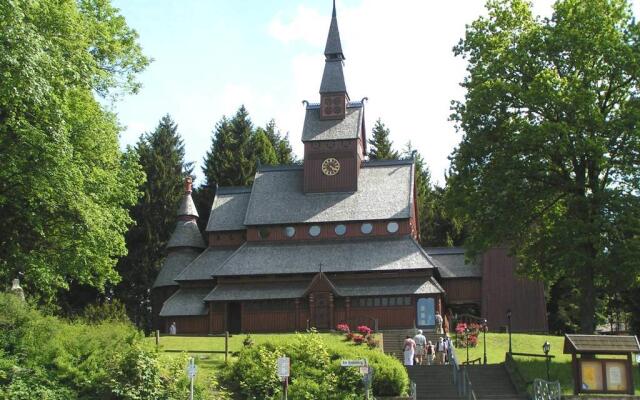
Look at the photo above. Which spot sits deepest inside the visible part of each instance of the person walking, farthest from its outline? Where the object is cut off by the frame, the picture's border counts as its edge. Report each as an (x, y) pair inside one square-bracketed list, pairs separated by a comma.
[(409, 348), (430, 352), (439, 323), (447, 342), (172, 328), (441, 349), (421, 342)]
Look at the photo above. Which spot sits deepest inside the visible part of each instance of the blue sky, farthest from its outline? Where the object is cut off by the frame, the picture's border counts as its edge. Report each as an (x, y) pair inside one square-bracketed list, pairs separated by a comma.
[(211, 56)]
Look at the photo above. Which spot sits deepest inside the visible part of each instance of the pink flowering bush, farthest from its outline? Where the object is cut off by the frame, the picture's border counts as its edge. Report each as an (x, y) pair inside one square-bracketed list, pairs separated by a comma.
[(344, 328), (472, 336), (365, 330)]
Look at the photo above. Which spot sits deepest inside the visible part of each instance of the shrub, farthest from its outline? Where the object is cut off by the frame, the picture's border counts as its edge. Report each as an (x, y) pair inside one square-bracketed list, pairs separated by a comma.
[(349, 336), (372, 342), (365, 330), (344, 328), (358, 339)]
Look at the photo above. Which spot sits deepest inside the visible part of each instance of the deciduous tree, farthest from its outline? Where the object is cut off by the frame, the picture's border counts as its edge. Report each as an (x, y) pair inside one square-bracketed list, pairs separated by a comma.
[(65, 186), (549, 161)]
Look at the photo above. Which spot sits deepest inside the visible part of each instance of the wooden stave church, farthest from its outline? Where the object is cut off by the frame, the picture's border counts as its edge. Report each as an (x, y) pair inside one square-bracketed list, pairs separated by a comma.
[(333, 240)]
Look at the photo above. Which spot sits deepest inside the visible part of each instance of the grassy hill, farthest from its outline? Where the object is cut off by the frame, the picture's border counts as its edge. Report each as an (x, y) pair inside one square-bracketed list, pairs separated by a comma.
[(532, 367)]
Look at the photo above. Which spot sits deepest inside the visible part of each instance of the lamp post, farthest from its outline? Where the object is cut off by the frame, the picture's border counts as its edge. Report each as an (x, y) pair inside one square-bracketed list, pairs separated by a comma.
[(546, 347), (484, 339), (466, 334), (509, 322)]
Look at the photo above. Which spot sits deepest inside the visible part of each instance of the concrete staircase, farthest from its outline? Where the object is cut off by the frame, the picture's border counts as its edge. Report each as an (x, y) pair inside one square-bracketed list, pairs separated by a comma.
[(492, 382), (433, 382), (393, 340)]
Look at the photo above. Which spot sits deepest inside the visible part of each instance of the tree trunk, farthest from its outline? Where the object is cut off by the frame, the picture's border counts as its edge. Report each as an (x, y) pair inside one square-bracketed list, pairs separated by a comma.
[(587, 301)]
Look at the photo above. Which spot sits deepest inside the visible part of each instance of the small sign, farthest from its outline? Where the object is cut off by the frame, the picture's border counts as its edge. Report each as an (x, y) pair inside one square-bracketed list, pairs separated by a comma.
[(191, 371), (353, 363), (364, 370), (283, 367)]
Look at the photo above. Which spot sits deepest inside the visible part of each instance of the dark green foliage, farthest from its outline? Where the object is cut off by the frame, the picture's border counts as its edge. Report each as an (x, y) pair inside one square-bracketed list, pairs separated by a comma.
[(48, 357), (236, 150), (161, 155), (65, 186), (549, 161), (437, 227), (380, 146), (284, 152), (316, 372)]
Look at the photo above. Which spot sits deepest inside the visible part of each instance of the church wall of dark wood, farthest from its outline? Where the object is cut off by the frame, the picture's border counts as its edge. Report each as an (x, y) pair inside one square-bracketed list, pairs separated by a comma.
[(502, 289), (189, 325), (345, 151), (463, 290), (327, 231), (227, 238)]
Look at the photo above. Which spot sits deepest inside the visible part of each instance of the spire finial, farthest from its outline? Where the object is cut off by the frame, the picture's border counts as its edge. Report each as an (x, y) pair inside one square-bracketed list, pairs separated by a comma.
[(333, 49)]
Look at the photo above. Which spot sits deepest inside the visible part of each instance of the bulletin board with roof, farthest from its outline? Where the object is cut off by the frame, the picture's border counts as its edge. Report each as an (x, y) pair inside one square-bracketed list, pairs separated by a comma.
[(602, 364)]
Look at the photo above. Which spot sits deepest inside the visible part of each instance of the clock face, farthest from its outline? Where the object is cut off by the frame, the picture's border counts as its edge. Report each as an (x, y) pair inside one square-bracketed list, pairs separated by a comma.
[(330, 166)]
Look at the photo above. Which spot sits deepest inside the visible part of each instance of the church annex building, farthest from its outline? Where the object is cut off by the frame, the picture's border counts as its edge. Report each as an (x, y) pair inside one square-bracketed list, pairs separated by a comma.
[(333, 240)]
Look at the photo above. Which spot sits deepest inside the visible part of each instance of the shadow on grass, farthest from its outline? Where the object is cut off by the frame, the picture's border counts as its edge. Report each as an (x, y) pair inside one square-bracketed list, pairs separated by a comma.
[(558, 371)]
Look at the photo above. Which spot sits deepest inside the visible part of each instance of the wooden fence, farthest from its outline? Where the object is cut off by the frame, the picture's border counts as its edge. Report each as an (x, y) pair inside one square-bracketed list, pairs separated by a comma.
[(225, 351)]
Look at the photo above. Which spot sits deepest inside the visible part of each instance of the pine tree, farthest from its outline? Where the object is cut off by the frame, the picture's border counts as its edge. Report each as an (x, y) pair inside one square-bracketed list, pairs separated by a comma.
[(280, 143), (241, 129), (437, 227), (262, 151), (380, 146), (161, 155), (219, 168)]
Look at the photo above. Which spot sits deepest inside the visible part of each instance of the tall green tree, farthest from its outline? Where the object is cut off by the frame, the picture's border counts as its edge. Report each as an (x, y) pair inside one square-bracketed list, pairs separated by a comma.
[(380, 146), (549, 161), (262, 151), (280, 142), (437, 227), (161, 155), (65, 186)]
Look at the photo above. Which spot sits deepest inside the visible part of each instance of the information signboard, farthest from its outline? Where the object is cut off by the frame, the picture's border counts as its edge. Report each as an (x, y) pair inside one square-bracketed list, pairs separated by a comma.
[(283, 368), (353, 363)]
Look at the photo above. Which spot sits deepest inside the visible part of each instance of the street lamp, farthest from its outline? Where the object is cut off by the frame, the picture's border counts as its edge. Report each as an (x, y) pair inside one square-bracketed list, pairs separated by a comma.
[(509, 321), (546, 347), (466, 334), (484, 339)]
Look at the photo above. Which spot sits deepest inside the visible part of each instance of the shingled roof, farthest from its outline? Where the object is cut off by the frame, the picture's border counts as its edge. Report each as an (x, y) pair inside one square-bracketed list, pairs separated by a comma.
[(350, 127), (186, 234), (600, 344), (174, 263), (187, 207), (384, 192), (333, 46), (229, 209), (203, 267), (354, 255), (387, 287), (186, 302), (257, 291), (451, 263), (333, 78)]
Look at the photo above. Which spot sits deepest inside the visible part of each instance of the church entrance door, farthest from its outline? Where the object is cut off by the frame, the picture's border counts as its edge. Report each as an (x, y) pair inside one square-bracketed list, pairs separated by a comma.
[(234, 320), (322, 310)]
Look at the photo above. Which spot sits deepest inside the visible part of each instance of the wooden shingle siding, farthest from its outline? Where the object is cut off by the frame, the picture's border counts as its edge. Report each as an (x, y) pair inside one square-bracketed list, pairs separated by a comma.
[(503, 290), (463, 290)]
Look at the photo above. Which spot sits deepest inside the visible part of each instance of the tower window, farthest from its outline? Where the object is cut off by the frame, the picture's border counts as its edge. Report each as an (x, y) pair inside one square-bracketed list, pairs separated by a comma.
[(289, 231), (314, 230), (366, 228), (392, 227)]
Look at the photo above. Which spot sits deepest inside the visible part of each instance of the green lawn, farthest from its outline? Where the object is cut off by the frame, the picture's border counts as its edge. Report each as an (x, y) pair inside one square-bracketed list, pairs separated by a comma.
[(209, 364), (532, 367)]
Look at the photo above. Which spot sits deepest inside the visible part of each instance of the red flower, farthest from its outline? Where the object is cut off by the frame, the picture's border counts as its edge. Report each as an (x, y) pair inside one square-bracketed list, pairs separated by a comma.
[(343, 328), (365, 330)]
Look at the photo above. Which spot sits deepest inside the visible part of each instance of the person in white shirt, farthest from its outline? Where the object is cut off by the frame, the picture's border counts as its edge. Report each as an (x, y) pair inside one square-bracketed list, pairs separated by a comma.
[(421, 342), (172, 328), (439, 321), (441, 350)]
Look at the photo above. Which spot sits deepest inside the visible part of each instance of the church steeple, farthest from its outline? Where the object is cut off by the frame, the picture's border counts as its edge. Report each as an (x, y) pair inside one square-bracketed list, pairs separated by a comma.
[(333, 90)]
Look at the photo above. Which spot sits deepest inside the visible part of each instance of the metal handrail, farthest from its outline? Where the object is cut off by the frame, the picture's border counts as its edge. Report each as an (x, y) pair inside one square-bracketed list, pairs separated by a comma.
[(461, 378)]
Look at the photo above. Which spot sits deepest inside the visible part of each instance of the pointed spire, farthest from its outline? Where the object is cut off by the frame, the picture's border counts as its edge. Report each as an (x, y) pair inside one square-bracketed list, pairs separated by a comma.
[(187, 207), (333, 76), (333, 48)]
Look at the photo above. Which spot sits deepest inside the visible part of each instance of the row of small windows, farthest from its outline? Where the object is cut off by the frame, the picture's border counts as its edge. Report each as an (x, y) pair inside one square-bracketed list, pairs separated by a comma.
[(340, 229), (382, 301)]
